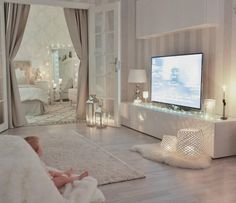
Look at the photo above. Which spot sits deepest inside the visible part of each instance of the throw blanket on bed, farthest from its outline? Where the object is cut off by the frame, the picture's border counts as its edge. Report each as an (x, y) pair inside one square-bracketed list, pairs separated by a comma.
[(23, 178), (30, 92), (77, 188), (75, 191)]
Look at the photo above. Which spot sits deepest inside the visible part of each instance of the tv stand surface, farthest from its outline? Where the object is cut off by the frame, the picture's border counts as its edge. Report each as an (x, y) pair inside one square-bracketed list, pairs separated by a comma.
[(220, 135)]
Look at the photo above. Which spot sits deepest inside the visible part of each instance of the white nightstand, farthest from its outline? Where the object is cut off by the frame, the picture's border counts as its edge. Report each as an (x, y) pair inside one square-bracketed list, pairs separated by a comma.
[(72, 95)]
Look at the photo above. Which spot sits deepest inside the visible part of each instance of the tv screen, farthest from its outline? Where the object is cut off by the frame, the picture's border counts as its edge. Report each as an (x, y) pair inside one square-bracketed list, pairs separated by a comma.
[(176, 80)]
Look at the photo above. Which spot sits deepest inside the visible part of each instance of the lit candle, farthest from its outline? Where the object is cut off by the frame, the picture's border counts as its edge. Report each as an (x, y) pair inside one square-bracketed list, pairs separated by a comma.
[(224, 90)]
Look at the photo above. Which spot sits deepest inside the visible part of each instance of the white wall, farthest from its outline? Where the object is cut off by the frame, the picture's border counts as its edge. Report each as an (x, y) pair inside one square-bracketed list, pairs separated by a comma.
[(228, 68), (46, 26), (128, 46), (218, 45)]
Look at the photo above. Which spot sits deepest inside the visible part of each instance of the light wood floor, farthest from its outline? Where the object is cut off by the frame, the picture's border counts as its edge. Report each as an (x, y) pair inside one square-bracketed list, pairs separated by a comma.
[(162, 183)]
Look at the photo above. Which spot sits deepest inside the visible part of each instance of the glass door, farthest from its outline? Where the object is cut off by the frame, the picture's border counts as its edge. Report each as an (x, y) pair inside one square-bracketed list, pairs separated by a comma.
[(3, 96), (104, 61)]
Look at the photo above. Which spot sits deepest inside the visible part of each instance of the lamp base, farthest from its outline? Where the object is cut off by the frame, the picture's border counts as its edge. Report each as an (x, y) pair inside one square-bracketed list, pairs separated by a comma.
[(138, 101), (223, 118)]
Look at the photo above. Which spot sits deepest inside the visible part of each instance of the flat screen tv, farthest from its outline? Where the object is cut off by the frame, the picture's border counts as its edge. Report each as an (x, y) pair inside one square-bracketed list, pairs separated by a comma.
[(177, 80)]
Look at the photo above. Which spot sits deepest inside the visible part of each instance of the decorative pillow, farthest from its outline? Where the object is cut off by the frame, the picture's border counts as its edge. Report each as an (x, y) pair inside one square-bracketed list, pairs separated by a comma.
[(20, 76), (22, 71)]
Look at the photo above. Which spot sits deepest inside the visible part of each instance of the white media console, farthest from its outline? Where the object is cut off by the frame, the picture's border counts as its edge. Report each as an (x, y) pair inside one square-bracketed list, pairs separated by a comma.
[(220, 135)]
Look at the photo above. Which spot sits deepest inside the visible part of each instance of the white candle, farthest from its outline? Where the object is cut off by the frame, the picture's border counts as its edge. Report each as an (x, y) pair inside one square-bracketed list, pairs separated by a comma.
[(54, 85), (224, 90)]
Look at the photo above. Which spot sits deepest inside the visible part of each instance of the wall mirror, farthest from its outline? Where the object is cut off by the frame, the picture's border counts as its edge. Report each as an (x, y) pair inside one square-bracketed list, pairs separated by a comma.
[(65, 66)]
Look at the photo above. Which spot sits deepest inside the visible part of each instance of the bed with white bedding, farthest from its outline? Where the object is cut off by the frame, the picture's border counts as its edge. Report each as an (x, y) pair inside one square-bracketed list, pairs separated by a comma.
[(33, 99)]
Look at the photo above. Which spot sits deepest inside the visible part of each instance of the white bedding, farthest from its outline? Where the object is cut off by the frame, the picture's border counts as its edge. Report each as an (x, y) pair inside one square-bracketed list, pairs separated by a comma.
[(30, 93), (23, 178)]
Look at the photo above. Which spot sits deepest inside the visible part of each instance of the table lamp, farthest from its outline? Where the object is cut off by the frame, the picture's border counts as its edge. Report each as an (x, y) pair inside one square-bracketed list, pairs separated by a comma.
[(137, 76)]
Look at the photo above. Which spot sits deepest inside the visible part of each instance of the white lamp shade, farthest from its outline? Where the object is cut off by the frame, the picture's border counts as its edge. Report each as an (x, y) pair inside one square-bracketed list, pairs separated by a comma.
[(137, 76)]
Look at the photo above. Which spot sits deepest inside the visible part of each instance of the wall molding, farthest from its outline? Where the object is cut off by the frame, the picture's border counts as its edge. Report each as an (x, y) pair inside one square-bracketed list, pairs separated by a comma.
[(59, 3)]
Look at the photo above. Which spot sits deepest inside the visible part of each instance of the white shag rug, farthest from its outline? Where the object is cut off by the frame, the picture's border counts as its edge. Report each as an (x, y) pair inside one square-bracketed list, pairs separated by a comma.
[(63, 151), (155, 153)]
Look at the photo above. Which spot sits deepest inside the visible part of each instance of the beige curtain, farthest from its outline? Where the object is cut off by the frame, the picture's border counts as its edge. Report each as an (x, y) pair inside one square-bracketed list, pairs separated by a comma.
[(77, 22), (15, 21)]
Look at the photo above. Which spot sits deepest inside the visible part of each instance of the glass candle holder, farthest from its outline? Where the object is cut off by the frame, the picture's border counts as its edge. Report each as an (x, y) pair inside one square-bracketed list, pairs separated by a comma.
[(100, 118), (190, 143), (209, 107), (145, 95), (91, 106), (169, 143)]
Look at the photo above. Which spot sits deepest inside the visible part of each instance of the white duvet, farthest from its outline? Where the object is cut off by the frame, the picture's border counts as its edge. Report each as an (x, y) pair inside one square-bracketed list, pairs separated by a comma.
[(23, 178), (30, 92)]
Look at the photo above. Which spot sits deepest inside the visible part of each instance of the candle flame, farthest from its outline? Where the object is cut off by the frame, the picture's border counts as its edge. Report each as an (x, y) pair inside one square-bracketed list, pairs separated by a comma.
[(224, 88)]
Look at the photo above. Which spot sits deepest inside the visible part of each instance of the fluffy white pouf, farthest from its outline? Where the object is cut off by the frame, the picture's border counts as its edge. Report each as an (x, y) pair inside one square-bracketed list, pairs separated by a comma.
[(154, 152)]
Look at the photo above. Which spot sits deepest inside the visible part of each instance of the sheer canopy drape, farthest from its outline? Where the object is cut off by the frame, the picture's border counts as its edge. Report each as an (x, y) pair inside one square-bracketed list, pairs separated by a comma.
[(77, 22), (15, 21)]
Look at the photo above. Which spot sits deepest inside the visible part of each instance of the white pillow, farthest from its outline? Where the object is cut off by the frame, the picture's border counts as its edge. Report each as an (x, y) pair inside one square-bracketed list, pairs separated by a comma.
[(20, 76)]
